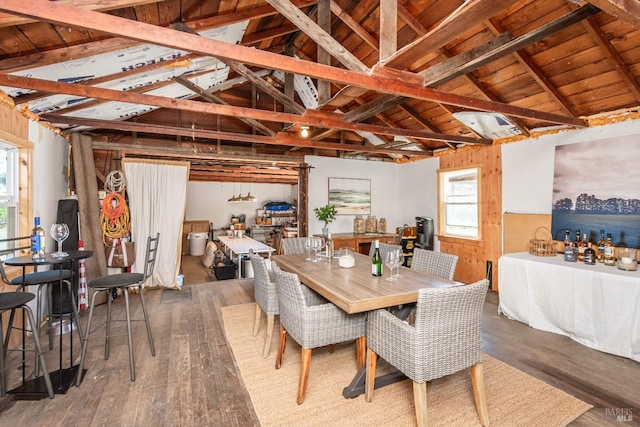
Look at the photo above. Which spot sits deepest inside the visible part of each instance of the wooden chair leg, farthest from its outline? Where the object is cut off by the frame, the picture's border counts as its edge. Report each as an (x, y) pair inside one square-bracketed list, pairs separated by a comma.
[(305, 363), (283, 342), (477, 380), (420, 402), (267, 340), (370, 376), (256, 322), (361, 351), (332, 348)]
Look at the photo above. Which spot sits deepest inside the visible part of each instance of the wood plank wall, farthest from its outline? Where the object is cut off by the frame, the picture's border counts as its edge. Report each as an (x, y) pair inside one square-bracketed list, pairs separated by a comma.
[(473, 256)]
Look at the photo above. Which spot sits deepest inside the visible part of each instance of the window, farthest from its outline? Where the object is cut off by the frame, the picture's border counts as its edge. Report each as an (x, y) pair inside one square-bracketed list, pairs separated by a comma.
[(9, 196), (458, 195)]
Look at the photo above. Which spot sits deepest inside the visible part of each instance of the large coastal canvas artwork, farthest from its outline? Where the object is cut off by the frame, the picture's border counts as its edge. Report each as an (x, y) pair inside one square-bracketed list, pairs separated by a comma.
[(350, 196), (595, 187)]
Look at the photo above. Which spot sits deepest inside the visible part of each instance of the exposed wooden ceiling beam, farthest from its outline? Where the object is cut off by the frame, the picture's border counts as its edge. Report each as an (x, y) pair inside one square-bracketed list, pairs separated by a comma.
[(317, 34), (61, 13), (101, 6), (613, 55), (212, 135), (311, 118), (215, 99), (446, 31), (475, 58), (624, 10)]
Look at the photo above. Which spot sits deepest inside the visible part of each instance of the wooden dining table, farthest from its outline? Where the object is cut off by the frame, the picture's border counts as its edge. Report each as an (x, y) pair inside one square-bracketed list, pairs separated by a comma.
[(356, 290)]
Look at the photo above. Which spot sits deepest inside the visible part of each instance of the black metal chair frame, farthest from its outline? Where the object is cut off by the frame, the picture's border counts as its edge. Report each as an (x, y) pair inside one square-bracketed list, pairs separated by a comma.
[(123, 282)]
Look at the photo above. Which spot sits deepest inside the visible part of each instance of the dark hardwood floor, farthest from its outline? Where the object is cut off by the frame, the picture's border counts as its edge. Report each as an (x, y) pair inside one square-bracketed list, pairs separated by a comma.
[(193, 381)]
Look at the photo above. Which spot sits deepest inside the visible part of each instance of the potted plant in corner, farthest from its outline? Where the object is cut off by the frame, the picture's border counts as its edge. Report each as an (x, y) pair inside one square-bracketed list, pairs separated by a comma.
[(326, 214)]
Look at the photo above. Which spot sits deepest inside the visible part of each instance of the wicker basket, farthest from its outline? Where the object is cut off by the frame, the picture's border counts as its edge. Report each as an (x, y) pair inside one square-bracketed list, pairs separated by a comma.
[(541, 247)]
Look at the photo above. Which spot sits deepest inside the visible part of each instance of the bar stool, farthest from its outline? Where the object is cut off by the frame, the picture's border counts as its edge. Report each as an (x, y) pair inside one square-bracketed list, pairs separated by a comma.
[(43, 280), (12, 301), (124, 282)]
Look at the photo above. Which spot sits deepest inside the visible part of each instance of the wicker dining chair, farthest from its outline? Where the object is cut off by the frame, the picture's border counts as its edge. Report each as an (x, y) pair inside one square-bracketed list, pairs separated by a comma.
[(294, 245), (445, 339), (312, 322), (436, 263), (266, 296)]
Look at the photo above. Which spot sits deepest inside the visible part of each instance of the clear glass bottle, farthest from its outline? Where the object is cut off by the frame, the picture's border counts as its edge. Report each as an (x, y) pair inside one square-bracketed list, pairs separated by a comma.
[(37, 240), (329, 247), (567, 240)]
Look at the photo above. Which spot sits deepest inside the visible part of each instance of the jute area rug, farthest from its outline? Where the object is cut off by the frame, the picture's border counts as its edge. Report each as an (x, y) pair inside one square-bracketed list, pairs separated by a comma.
[(514, 398)]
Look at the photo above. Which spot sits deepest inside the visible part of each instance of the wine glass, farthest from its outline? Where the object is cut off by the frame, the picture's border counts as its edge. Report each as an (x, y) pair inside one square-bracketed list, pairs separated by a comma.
[(59, 233), (308, 244), (317, 244), (391, 260), (399, 262)]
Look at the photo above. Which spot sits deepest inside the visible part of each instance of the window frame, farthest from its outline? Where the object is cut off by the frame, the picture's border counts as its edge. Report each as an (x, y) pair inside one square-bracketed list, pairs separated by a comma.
[(442, 203), (23, 176)]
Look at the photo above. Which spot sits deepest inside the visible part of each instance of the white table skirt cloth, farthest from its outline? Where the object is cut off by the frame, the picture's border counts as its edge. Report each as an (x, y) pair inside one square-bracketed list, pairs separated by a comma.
[(596, 305)]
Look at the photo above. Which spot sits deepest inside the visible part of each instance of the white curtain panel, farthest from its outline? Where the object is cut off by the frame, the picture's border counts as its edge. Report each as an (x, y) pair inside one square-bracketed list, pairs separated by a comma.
[(157, 196)]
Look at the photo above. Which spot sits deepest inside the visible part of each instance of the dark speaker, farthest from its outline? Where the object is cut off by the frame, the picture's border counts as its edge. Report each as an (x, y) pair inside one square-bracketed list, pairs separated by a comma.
[(67, 214), (424, 233)]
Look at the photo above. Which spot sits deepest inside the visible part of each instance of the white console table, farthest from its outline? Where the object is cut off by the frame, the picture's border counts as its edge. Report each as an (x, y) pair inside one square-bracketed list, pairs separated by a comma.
[(595, 305)]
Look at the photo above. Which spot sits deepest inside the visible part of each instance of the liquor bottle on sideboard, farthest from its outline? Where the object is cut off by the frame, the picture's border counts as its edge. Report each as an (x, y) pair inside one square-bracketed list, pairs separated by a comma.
[(376, 260), (609, 259), (582, 246), (601, 247), (567, 239), (589, 255), (37, 240)]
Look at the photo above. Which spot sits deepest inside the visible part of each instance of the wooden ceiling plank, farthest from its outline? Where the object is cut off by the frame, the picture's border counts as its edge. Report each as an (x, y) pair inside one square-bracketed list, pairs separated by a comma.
[(360, 31), (536, 73), (77, 17), (317, 34), (460, 21), (630, 80)]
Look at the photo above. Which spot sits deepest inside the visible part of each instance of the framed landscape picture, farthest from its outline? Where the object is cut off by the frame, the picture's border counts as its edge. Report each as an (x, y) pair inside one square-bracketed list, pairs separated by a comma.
[(351, 196), (592, 192)]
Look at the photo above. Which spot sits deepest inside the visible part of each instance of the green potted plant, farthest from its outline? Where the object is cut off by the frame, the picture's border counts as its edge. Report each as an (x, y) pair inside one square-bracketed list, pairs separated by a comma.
[(326, 214)]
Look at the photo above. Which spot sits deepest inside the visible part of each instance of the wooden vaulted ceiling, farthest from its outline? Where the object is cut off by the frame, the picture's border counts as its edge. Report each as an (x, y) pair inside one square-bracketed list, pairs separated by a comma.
[(389, 75)]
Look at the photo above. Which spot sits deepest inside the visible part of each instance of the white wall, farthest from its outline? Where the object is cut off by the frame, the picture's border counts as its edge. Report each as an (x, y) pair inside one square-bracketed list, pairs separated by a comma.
[(209, 200), (527, 167), (50, 172), (400, 192)]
